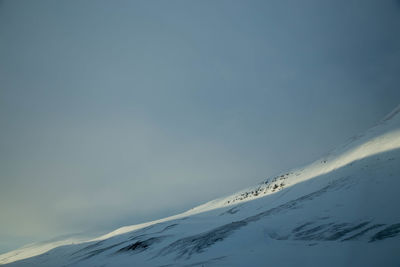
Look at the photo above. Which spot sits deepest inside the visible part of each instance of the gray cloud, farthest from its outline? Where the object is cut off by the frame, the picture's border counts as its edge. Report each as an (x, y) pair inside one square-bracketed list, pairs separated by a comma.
[(113, 113)]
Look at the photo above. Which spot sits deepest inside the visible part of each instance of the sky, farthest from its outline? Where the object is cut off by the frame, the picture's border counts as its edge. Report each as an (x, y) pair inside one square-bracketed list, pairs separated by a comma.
[(113, 113)]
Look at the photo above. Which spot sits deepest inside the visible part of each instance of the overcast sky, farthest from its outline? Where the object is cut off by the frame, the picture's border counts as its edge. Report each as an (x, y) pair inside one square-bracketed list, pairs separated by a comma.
[(117, 112)]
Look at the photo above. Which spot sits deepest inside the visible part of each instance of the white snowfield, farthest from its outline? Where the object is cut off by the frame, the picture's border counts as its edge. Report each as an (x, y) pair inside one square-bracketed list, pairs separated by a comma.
[(341, 210)]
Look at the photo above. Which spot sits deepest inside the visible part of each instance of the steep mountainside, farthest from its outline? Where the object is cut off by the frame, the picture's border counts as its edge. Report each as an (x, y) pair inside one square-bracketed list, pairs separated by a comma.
[(341, 210)]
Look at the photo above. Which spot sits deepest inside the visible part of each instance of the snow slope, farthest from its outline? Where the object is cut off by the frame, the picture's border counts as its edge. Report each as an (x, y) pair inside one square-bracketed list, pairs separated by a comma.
[(341, 210)]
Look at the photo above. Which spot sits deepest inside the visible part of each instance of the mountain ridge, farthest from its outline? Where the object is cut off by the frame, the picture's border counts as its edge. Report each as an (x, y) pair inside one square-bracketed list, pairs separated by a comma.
[(266, 212)]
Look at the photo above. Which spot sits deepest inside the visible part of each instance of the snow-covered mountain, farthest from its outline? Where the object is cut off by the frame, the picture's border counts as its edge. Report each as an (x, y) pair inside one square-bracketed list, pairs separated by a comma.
[(341, 210)]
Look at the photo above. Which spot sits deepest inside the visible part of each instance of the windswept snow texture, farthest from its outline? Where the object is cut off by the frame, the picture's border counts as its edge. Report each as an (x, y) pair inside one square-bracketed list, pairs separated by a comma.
[(341, 210)]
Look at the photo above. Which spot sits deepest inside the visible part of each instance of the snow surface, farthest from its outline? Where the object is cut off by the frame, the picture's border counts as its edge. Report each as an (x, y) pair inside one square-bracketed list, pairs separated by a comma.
[(341, 210)]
